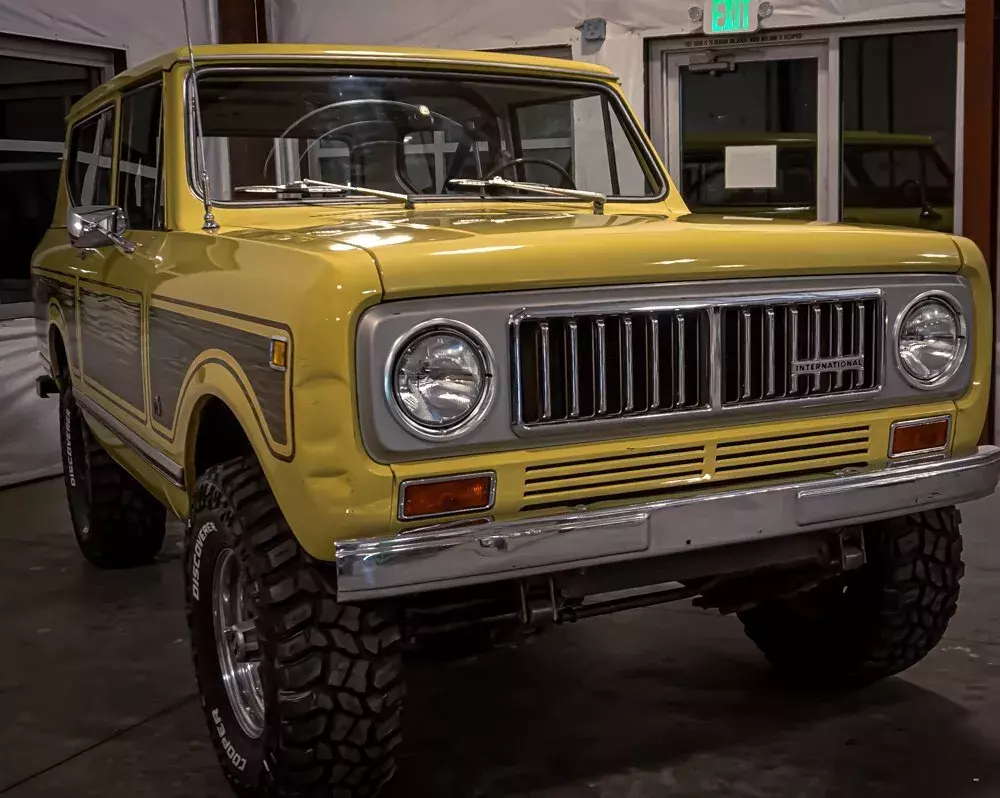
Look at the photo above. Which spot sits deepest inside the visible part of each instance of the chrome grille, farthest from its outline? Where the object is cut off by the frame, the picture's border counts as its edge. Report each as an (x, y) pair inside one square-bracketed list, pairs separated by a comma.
[(773, 353), (583, 367), (573, 367)]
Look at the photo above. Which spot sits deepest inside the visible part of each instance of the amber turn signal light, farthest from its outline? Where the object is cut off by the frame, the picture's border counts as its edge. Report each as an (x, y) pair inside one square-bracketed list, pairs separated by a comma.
[(279, 354), (425, 498), (924, 436)]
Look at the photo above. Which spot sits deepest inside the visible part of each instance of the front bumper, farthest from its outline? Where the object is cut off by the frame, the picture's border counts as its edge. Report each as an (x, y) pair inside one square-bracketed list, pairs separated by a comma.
[(475, 554)]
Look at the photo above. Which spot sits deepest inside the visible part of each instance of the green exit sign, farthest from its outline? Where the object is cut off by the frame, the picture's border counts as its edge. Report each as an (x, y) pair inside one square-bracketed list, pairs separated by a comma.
[(731, 16)]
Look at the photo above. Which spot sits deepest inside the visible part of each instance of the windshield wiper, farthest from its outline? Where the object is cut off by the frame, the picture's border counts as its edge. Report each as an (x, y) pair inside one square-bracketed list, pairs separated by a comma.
[(308, 186), (595, 197)]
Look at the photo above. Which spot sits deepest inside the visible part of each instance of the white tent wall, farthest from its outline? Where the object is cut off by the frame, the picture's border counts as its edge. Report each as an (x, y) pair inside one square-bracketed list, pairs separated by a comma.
[(143, 29), (495, 24)]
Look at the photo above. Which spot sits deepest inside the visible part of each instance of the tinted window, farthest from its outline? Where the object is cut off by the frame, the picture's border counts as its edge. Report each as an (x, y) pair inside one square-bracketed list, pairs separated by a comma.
[(895, 177), (139, 159), (753, 103), (90, 160), (704, 181), (898, 114)]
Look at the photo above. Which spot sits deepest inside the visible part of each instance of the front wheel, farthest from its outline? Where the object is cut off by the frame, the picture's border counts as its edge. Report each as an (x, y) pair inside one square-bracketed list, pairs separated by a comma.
[(873, 622), (302, 694)]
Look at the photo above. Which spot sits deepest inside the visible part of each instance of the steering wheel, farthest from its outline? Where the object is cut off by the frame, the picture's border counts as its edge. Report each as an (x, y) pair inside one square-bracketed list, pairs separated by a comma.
[(500, 167)]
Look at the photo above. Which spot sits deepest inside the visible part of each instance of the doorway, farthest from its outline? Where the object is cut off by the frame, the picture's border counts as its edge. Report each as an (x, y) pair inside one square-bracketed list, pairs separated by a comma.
[(39, 82), (750, 137)]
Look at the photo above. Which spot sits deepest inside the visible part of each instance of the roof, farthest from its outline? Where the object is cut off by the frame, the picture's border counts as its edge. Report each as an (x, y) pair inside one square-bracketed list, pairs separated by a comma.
[(346, 54), (806, 139)]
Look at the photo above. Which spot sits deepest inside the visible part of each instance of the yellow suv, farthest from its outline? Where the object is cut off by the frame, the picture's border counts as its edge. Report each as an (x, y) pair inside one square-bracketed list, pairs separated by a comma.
[(429, 352)]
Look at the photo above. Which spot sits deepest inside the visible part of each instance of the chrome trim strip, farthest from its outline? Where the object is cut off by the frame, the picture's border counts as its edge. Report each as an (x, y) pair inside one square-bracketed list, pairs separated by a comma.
[(600, 367), (817, 344), (629, 377), (745, 346), (770, 351), (715, 359), (574, 370), (793, 314), (859, 376), (149, 453), (423, 561), (450, 478), (838, 350), (919, 422), (679, 361), (654, 348), (621, 308), (543, 331)]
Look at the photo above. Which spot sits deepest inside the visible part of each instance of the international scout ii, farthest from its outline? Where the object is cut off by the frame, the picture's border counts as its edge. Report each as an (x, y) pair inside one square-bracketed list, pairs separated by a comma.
[(429, 352)]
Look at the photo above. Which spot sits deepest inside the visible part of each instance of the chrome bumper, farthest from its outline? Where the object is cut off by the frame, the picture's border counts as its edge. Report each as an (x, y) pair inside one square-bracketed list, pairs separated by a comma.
[(431, 560)]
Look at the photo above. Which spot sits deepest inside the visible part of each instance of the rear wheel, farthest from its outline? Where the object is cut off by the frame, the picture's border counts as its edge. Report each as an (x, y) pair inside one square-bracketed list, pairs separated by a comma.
[(117, 523), (873, 622), (302, 694)]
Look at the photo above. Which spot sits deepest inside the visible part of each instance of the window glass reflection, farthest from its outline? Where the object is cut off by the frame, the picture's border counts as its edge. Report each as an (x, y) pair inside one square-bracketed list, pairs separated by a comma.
[(898, 117)]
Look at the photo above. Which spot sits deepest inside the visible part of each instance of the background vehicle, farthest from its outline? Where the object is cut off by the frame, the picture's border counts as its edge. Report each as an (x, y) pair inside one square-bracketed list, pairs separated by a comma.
[(891, 179), (418, 377)]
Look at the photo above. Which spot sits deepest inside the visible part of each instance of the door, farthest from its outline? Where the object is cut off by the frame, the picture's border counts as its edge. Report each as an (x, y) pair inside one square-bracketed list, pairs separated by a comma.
[(746, 130), (114, 285)]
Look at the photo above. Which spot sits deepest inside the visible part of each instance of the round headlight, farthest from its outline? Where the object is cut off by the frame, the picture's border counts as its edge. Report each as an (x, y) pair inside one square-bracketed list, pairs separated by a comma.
[(930, 341), (441, 381)]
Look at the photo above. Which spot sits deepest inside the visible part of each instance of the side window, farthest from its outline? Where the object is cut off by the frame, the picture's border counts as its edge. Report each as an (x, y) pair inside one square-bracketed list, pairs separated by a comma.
[(139, 158), (89, 172)]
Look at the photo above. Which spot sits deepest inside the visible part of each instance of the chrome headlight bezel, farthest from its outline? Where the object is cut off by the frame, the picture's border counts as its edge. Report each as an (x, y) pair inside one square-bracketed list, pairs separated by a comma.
[(953, 305), (482, 406)]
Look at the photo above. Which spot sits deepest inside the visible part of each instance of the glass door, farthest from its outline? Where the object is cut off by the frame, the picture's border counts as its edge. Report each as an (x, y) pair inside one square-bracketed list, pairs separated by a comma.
[(746, 131)]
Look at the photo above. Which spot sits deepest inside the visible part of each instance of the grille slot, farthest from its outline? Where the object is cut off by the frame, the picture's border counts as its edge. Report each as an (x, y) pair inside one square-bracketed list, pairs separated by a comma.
[(659, 470), (590, 367), (762, 343)]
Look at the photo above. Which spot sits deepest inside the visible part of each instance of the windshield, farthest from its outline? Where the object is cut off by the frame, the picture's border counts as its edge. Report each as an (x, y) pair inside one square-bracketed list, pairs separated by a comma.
[(414, 134)]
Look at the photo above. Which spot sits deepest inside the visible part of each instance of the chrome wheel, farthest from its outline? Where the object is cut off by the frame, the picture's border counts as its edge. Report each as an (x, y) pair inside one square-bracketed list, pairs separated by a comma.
[(236, 643)]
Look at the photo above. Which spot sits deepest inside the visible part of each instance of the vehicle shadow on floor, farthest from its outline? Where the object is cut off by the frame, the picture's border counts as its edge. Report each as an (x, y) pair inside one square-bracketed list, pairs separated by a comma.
[(671, 703)]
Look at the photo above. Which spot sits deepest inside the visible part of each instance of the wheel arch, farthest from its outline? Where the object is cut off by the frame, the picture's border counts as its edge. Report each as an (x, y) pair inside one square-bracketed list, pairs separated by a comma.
[(214, 436)]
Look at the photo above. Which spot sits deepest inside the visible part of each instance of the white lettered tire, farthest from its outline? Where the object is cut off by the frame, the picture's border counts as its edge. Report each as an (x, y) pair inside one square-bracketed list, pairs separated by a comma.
[(330, 675)]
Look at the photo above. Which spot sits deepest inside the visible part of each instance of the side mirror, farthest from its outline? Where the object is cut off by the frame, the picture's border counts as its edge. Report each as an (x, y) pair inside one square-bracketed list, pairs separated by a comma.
[(96, 226)]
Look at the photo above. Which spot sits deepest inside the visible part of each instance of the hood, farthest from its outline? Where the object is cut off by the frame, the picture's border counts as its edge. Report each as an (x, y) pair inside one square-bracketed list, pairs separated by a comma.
[(428, 252)]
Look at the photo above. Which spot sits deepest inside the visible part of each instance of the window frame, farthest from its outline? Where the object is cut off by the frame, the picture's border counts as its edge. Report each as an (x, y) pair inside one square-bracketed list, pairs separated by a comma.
[(160, 212)]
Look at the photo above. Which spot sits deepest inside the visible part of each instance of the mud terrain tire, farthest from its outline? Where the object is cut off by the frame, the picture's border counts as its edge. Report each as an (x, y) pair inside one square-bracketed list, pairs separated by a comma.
[(330, 674), (873, 622)]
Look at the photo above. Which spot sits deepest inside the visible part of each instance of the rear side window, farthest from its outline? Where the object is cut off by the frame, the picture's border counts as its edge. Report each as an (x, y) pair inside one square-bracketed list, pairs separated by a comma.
[(139, 159), (90, 151)]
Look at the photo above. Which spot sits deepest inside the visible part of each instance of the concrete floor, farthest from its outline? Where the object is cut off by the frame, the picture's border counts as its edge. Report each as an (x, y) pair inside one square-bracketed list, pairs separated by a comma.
[(97, 696)]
